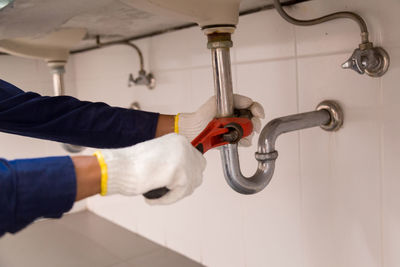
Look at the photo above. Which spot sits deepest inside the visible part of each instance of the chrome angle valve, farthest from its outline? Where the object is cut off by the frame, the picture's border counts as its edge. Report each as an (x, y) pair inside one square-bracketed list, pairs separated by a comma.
[(368, 59)]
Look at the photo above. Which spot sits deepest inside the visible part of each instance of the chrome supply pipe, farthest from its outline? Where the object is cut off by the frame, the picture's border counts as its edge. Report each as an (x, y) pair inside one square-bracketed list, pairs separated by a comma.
[(337, 15), (328, 116), (374, 61)]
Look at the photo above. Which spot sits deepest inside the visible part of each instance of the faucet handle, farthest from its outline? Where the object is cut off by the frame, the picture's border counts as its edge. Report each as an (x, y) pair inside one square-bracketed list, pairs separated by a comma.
[(143, 78), (355, 62), (374, 61)]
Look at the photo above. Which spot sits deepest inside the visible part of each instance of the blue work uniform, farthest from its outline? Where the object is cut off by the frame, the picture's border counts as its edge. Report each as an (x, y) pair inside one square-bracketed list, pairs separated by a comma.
[(46, 187)]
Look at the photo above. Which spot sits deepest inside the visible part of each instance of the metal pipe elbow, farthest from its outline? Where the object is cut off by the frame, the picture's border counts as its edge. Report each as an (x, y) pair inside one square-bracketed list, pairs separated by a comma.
[(235, 178), (268, 136)]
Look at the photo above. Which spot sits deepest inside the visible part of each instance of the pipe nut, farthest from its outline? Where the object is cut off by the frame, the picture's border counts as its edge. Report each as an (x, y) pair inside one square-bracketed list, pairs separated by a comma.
[(272, 156)]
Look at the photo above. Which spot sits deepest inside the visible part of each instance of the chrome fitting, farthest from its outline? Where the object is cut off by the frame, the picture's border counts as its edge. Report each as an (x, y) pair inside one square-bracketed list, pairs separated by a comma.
[(143, 78), (336, 114), (219, 40), (262, 157), (374, 61)]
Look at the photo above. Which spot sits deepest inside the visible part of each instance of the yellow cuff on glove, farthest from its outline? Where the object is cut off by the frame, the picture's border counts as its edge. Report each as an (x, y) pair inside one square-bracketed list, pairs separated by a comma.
[(176, 126), (104, 174)]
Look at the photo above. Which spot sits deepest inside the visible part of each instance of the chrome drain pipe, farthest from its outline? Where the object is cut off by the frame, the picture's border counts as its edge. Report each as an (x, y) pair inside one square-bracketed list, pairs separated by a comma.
[(328, 116), (220, 44)]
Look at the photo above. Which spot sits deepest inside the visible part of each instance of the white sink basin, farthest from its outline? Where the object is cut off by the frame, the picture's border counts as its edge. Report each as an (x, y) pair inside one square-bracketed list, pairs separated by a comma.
[(53, 47), (203, 12)]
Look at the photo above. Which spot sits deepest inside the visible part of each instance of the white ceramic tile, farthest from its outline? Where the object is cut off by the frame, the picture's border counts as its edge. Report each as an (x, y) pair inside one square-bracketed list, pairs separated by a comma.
[(357, 93), (133, 214), (388, 20), (185, 229), (272, 217), (330, 37), (272, 84), (107, 63), (263, 36), (180, 49), (381, 17), (391, 166), (202, 87), (16, 70), (114, 92), (223, 242), (170, 95), (340, 172)]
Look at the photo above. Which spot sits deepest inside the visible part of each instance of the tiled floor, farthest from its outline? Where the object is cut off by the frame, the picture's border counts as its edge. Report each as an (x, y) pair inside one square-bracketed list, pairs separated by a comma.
[(84, 240)]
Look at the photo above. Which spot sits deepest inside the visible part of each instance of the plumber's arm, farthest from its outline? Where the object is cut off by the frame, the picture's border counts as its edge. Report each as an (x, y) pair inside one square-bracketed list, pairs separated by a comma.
[(69, 120)]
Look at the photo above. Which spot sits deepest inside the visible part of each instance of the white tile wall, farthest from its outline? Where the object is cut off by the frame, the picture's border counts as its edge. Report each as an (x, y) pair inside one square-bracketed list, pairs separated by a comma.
[(334, 173), (390, 163), (334, 199)]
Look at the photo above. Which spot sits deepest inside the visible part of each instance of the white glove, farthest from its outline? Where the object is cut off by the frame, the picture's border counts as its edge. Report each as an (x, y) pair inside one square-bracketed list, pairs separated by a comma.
[(169, 161), (191, 125)]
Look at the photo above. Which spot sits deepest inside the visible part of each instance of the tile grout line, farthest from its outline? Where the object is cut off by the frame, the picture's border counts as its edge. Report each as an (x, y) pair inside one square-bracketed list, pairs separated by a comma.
[(299, 144), (238, 63), (381, 160), (382, 172)]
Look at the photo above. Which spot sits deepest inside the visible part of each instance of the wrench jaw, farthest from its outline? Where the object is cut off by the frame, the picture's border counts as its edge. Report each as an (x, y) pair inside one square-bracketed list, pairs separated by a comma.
[(219, 132), (235, 133), (222, 131)]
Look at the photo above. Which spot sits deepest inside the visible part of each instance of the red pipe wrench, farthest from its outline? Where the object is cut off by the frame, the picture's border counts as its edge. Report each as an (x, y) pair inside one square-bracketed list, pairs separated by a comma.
[(219, 132)]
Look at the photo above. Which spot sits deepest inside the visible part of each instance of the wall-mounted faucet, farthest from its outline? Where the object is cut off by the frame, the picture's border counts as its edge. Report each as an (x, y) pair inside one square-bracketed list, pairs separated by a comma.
[(368, 59), (143, 78)]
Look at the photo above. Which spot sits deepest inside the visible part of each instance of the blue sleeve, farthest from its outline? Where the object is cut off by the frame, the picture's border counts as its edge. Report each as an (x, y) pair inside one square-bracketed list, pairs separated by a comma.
[(35, 188), (69, 120)]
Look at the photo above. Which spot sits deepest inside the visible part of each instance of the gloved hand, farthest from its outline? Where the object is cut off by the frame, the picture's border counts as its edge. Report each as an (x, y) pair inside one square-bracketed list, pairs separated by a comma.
[(169, 161), (191, 125)]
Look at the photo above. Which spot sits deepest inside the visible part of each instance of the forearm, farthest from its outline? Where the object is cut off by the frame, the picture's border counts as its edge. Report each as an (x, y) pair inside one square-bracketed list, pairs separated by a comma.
[(165, 125), (88, 176), (69, 120)]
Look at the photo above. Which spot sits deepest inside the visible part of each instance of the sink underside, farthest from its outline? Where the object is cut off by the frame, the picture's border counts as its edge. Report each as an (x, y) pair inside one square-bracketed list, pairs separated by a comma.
[(110, 19)]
